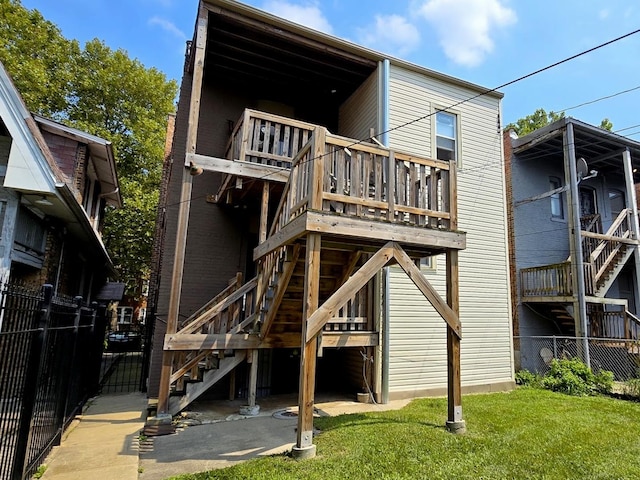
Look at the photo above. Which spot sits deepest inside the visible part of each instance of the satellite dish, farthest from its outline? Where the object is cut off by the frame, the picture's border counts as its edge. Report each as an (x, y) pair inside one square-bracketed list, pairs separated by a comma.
[(582, 167)]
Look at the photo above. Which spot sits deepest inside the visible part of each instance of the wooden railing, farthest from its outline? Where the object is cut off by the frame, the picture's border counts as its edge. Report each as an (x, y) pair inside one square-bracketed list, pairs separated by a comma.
[(335, 174), (546, 281), (267, 139), (615, 324), (600, 250), (600, 254)]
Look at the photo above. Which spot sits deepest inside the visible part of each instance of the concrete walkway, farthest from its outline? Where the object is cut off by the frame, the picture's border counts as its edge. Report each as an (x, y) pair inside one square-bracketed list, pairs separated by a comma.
[(103, 443)]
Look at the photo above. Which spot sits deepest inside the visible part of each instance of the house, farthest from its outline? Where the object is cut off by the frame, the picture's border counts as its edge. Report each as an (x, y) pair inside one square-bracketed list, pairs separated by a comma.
[(333, 218), (574, 235), (56, 184)]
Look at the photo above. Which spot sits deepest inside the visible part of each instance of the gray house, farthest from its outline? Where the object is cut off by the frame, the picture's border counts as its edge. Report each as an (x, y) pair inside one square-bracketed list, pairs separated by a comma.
[(574, 233)]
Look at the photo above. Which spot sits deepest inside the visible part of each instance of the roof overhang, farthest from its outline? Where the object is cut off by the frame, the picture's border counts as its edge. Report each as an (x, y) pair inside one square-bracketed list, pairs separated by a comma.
[(601, 149), (265, 48), (101, 152)]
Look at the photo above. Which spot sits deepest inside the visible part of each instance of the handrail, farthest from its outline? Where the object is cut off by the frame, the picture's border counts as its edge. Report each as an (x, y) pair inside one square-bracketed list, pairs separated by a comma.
[(547, 280), (211, 313)]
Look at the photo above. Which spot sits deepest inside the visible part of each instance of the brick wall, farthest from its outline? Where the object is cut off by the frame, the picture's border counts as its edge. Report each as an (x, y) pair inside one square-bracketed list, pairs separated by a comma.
[(508, 158)]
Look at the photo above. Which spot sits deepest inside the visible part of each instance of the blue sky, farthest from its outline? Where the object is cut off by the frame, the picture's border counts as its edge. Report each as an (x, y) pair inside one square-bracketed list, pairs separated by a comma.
[(488, 42)]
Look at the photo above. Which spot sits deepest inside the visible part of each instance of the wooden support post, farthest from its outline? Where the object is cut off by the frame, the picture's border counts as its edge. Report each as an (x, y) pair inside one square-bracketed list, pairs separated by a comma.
[(252, 359), (635, 226), (232, 384), (264, 212), (304, 447), (455, 422), (183, 212)]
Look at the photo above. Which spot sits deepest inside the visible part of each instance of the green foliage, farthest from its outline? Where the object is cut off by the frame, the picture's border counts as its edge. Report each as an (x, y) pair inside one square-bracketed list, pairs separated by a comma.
[(536, 120), (106, 93), (573, 377), (528, 379), (606, 124), (40, 471), (527, 433), (39, 59), (540, 118), (632, 388)]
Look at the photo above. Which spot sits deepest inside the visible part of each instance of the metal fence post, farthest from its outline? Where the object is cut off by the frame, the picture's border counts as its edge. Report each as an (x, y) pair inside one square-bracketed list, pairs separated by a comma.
[(555, 348), (32, 374), (74, 375)]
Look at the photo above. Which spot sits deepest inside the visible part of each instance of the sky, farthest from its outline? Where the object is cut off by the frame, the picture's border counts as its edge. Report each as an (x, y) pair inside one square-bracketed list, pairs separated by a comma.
[(487, 42)]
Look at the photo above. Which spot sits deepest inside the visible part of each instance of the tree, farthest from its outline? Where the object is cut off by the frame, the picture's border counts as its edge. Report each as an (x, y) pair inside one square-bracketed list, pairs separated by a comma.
[(540, 118), (106, 93), (40, 60)]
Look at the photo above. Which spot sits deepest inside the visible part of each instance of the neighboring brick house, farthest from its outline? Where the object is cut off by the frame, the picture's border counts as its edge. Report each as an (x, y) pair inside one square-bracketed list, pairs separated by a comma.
[(56, 184)]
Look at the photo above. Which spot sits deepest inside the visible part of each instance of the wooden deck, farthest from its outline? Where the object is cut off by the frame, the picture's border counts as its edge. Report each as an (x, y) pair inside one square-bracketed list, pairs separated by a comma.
[(346, 210), (603, 255)]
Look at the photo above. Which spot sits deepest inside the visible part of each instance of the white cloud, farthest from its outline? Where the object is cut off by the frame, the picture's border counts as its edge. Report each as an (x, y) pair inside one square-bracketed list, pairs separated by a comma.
[(391, 33), (464, 27), (167, 26), (308, 15)]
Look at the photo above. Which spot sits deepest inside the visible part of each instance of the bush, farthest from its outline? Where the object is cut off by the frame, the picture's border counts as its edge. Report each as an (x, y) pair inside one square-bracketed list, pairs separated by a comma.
[(527, 378), (632, 388), (573, 377)]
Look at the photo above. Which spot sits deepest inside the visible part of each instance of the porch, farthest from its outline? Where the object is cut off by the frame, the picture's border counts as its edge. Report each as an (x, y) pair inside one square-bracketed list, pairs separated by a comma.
[(347, 209)]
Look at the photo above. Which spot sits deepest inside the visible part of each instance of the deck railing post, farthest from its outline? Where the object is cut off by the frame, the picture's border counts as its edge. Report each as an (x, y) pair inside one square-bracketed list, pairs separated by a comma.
[(317, 168), (391, 186), (453, 195)]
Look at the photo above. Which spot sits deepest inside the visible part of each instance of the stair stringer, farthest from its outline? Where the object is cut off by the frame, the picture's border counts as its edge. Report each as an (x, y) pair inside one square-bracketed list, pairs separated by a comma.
[(603, 288), (209, 379)]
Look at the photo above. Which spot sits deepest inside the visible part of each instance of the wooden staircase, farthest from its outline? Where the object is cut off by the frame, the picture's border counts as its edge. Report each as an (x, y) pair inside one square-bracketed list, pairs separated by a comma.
[(347, 210)]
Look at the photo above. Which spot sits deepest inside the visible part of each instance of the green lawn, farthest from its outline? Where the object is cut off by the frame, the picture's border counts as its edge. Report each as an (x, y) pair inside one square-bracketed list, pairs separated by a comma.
[(527, 433)]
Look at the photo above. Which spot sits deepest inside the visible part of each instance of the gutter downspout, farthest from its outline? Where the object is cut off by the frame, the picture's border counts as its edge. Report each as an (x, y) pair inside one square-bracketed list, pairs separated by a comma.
[(383, 119)]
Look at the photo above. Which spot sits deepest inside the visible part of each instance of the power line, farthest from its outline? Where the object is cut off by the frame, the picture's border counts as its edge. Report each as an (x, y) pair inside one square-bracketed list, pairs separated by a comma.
[(599, 99)]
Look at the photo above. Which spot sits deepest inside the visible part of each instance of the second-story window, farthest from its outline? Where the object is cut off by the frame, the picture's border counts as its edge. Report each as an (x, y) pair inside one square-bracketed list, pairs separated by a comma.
[(557, 209), (446, 136)]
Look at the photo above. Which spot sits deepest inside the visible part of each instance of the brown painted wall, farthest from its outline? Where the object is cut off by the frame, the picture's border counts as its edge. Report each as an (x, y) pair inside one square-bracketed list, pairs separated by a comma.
[(216, 244)]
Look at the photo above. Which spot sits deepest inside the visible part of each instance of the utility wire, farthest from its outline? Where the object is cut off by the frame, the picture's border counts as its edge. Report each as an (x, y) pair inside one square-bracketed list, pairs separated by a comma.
[(456, 104)]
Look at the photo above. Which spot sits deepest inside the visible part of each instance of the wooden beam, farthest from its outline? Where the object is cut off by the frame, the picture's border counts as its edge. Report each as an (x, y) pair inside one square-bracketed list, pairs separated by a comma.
[(239, 168), (416, 276), (304, 436), (185, 204), (367, 228), (455, 420), (342, 295), (291, 231), (245, 341), (349, 339)]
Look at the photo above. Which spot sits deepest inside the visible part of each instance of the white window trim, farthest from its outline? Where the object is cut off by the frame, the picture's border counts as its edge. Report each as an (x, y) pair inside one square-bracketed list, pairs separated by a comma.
[(434, 148)]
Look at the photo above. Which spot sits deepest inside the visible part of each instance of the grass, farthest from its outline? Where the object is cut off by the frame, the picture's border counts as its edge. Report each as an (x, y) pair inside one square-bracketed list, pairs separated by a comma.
[(527, 433)]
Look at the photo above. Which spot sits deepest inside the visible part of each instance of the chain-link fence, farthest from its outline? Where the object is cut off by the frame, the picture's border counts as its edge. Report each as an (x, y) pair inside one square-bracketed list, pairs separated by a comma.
[(620, 356)]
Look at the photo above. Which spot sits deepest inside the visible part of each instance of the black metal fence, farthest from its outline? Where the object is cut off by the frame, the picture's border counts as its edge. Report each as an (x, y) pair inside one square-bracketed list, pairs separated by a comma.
[(50, 360)]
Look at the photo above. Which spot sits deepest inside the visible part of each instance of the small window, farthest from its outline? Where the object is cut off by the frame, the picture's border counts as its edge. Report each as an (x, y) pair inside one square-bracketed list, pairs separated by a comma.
[(428, 264), (616, 202), (446, 136), (557, 207)]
